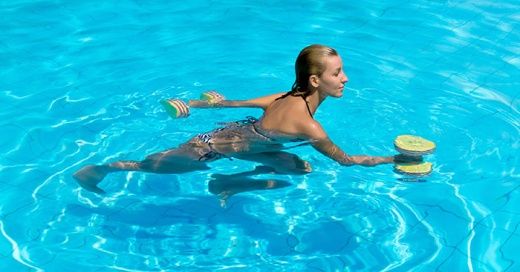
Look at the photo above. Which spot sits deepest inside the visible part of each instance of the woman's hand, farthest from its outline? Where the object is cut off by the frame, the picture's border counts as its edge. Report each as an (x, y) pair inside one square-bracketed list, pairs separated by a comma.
[(401, 158), (209, 99)]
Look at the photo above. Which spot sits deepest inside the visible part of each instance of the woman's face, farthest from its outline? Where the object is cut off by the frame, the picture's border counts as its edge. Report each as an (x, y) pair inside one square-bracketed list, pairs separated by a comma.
[(333, 79)]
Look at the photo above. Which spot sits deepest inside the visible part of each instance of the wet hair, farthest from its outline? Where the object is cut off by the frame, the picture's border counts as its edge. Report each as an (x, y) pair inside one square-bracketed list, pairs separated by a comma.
[(310, 61)]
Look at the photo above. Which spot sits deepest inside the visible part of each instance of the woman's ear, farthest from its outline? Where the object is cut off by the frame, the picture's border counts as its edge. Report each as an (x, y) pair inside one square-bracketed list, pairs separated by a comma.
[(314, 81)]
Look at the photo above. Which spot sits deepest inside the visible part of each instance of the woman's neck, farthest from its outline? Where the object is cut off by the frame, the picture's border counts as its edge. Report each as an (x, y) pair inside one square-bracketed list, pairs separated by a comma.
[(314, 100)]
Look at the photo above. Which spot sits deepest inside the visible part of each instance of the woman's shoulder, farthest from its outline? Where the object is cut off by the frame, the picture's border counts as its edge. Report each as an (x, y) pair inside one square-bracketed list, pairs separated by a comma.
[(310, 129)]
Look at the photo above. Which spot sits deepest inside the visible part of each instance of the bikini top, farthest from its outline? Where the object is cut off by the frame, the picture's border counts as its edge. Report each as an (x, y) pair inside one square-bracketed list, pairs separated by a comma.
[(300, 95)]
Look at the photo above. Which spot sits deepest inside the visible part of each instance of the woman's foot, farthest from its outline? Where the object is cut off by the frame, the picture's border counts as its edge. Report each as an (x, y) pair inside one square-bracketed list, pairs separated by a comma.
[(89, 176)]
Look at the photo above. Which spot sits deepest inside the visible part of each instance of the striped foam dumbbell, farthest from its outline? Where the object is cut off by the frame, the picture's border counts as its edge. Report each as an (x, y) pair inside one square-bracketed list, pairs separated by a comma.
[(212, 97), (176, 108)]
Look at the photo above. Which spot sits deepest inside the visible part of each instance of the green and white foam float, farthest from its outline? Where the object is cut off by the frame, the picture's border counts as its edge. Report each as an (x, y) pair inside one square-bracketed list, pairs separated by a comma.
[(414, 146)]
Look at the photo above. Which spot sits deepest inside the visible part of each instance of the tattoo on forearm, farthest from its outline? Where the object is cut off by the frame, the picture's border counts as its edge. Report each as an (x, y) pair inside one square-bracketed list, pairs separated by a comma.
[(333, 151), (328, 148)]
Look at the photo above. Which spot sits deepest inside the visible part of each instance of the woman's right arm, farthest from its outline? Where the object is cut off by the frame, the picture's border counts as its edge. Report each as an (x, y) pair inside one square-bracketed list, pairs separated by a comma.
[(331, 150), (322, 143)]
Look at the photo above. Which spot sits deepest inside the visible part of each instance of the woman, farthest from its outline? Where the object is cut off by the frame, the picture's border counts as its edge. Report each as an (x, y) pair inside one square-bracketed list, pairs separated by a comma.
[(287, 117)]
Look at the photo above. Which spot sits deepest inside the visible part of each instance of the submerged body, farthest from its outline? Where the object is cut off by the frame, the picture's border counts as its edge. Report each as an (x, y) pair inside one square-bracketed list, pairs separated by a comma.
[(244, 140)]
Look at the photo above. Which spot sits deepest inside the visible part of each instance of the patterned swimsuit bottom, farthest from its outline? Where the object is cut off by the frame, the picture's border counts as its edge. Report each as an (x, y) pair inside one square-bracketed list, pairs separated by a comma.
[(244, 127)]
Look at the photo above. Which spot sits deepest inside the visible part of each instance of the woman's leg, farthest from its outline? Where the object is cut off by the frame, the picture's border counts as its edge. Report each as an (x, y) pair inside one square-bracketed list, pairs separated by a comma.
[(283, 162), (172, 161)]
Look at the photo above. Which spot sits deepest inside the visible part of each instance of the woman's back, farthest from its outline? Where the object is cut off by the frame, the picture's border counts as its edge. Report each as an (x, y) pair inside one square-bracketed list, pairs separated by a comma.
[(283, 117), (281, 123)]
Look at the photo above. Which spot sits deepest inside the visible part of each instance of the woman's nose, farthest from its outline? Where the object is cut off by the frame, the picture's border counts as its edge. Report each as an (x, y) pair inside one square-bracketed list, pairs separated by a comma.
[(345, 78)]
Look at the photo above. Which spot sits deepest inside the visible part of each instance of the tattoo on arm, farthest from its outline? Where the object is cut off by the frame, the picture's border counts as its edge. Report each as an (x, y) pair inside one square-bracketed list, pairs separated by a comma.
[(331, 150)]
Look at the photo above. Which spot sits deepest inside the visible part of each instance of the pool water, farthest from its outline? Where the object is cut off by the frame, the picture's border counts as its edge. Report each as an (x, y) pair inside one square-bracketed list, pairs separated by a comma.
[(81, 82)]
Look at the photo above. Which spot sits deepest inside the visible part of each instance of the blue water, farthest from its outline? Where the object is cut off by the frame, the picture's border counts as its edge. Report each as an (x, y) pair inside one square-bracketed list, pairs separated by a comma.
[(81, 81)]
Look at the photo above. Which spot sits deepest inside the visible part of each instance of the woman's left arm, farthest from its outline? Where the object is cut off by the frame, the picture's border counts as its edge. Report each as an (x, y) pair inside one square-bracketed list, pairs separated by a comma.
[(260, 102)]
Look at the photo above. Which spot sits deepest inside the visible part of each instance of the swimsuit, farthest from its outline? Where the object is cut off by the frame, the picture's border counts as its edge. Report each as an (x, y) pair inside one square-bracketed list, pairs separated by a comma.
[(245, 129), (207, 138), (307, 104)]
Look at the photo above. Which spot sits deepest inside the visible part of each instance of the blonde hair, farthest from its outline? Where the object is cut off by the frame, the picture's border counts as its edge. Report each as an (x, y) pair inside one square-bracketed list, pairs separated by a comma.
[(310, 61)]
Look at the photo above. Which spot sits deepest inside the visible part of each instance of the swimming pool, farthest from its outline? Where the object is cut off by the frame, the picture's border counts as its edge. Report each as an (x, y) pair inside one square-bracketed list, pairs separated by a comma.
[(81, 83)]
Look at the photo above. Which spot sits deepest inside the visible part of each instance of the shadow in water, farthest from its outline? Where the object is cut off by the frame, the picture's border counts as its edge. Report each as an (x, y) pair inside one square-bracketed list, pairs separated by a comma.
[(196, 221), (224, 186)]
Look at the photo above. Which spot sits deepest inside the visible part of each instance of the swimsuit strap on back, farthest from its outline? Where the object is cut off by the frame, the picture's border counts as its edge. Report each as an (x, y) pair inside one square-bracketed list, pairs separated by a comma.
[(292, 93), (307, 104)]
